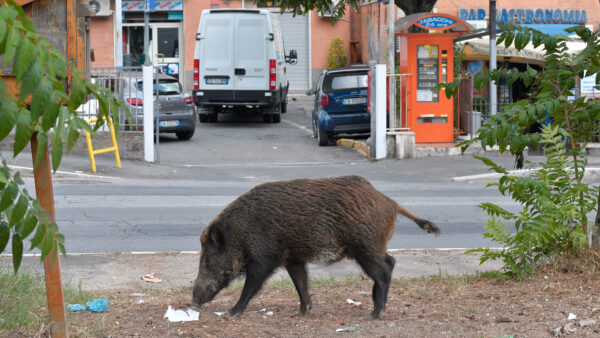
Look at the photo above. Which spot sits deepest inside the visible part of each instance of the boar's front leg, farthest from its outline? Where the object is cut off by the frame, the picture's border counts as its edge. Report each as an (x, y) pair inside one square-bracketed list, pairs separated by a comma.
[(298, 274), (256, 274)]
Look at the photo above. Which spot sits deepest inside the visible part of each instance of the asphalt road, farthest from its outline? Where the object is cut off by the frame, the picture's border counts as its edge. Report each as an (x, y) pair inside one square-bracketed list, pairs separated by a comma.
[(164, 207)]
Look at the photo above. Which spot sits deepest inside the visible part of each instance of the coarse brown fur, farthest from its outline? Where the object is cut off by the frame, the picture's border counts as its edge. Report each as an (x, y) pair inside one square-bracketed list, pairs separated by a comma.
[(294, 222)]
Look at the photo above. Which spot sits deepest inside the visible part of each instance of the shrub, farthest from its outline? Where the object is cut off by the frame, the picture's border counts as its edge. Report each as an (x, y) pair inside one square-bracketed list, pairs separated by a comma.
[(337, 54)]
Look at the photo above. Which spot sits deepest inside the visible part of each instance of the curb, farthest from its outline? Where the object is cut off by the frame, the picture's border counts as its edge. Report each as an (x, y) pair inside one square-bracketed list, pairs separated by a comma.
[(361, 147)]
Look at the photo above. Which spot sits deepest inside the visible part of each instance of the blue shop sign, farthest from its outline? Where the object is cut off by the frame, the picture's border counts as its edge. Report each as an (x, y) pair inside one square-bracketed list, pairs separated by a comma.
[(528, 15), (436, 22)]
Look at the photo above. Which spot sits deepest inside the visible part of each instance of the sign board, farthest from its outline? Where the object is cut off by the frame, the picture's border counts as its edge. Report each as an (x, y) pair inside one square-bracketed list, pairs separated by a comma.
[(436, 22), (154, 5), (587, 85)]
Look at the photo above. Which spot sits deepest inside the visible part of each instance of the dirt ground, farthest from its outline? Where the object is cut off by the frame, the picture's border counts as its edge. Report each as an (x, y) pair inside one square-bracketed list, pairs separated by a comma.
[(435, 306), (539, 306)]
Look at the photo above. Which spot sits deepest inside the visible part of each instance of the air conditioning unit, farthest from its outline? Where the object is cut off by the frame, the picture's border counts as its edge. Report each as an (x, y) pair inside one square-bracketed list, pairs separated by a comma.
[(102, 7), (329, 12)]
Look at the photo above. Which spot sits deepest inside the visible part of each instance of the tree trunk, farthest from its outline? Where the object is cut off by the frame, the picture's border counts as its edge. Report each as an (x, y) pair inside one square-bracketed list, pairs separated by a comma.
[(415, 6), (596, 228)]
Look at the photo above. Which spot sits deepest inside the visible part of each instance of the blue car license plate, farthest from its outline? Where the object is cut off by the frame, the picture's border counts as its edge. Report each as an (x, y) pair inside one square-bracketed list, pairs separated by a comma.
[(355, 100), (171, 123)]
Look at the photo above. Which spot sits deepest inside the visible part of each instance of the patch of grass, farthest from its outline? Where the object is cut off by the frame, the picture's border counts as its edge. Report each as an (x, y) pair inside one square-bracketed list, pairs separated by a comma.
[(23, 305), (23, 301)]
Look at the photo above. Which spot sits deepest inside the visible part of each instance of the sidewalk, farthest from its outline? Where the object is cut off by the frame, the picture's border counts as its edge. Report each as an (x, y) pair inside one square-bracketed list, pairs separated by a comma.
[(99, 272)]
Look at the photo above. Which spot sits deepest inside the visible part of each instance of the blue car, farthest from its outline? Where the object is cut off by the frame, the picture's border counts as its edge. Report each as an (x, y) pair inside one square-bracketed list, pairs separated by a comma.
[(341, 103)]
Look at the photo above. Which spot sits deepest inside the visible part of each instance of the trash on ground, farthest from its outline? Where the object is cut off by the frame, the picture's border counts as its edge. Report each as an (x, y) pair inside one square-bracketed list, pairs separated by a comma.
[(139, 301), (347, 329), (137, 294), (587, 322), (350, 301), (269, 313), (151, 277), (568, 329), (97, 305), (571, 316), (219, 313), (75, 307), (181, 315)]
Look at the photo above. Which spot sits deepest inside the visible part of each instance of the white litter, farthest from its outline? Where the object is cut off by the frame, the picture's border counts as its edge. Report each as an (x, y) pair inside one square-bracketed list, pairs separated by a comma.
[(137, 294), (350, 301), (219, 313), (571, 316), (139, 301), (269, 313), (181, 315)]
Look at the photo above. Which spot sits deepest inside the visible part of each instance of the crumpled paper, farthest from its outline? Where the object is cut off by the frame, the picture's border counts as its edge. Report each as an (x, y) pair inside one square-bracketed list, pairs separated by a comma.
[(151, 277), (181, 315)]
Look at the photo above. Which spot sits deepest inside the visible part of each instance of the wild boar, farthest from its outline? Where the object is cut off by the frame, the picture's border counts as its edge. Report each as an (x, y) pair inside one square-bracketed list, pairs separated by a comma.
[(294, 222)]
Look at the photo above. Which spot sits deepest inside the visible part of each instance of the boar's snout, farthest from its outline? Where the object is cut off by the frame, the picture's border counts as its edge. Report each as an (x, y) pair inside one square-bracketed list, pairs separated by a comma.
[(203, 292)]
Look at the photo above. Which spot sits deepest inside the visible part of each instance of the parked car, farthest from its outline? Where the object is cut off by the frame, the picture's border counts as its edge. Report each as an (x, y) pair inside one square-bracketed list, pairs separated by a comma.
[(240, 63), (341, 103), (176, 108)]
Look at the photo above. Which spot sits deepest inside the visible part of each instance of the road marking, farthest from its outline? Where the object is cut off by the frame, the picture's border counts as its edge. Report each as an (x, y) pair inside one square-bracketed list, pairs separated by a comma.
[(298, 126), (275, 164), (517, 173), (16, 167)]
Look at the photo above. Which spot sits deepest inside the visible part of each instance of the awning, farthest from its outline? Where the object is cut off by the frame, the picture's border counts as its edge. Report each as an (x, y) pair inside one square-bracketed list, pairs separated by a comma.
[(479, 49)]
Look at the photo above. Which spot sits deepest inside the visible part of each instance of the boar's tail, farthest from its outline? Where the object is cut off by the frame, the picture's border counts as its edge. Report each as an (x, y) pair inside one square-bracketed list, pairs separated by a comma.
[(422, 223)]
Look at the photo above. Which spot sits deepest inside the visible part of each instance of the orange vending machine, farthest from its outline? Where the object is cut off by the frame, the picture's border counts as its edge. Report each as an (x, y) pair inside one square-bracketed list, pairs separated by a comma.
[(427, 54)]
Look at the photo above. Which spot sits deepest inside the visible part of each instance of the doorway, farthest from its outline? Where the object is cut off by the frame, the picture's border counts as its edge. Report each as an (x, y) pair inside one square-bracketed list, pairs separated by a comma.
[(163, 51)]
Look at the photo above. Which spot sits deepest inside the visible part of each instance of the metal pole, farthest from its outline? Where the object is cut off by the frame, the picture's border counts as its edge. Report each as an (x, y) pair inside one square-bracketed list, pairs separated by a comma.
[(392, 71), (146, 33), (372, 109), (54, 291), (492, 28), (119, 33)]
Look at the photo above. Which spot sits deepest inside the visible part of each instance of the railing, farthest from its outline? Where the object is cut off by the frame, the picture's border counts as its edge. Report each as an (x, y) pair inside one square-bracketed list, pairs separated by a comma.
[(399, 120), (122, 82)]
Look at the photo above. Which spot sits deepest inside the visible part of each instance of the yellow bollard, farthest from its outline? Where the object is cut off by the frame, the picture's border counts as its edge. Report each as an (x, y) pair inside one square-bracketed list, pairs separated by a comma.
[(114, 148)]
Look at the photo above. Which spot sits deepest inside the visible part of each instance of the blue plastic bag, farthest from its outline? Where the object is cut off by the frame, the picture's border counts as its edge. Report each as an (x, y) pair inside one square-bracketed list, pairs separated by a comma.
[(97, 305), (75, 307)]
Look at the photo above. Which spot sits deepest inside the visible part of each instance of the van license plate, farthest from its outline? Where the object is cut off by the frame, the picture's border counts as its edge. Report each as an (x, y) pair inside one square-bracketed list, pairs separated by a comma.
[(355, 100), (216, 81), (172, 123)]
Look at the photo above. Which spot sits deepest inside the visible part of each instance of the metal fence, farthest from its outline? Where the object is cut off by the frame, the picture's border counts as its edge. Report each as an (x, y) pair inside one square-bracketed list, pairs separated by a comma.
[(399, 121), (123, 83)]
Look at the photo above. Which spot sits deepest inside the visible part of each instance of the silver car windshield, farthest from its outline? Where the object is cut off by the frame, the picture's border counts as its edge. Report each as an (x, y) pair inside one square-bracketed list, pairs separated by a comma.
[(164, 87)]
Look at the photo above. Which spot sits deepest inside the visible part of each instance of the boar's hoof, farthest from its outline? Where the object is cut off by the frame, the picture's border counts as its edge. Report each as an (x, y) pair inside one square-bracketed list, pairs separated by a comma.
[(374, 315)]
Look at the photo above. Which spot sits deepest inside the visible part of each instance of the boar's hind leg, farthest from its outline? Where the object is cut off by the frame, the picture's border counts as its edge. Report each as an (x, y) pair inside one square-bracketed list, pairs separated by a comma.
[(298, 274), (380, 270), (256, 274)]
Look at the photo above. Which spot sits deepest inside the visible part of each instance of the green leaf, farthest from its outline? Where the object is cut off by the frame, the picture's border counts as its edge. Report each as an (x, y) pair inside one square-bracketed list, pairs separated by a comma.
[(491, 164), (509, 39), (40, 98), (17, 251), (23, 59), (57, 151), (10, 193), (24, 132), (50, 115), (31, 80), (4, 235), (12, 42), (28, 226), (39, 235), (46, 244), (19, 210), (77, 94), (72, 140), (8, 115), (42, 147)]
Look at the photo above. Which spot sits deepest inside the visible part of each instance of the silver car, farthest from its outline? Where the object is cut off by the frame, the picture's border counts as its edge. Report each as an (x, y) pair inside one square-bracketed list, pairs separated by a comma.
[(176, 108)]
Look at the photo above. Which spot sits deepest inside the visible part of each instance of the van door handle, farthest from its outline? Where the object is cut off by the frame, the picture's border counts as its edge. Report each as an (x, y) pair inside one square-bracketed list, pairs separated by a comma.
[(240, 71)]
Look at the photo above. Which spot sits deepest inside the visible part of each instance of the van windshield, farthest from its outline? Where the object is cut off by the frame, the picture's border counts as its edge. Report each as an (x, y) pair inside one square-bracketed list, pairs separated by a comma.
[(165, 87)]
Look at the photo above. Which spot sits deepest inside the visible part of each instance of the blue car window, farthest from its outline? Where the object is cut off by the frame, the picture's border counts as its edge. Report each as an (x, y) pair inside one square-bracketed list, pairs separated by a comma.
[(346, 81)]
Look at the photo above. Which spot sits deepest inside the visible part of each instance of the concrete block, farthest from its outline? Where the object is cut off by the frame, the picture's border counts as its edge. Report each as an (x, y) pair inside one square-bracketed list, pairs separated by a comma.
[(405, 145)]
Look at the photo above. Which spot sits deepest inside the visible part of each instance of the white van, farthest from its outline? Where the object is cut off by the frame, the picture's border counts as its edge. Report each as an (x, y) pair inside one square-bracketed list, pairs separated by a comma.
[(240, 63)]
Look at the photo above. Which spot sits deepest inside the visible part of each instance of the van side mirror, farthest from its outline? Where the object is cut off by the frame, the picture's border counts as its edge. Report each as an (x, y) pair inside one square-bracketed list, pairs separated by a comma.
[(310, 92), (292, 57)]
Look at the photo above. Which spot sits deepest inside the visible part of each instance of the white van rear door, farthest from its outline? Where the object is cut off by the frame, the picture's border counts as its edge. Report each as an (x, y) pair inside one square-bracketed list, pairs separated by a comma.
[(251, 62), (217, 52)]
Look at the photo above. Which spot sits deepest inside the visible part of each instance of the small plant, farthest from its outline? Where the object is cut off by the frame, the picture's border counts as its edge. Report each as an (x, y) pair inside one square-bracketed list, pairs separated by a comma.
[(337, 54), (549, 223)]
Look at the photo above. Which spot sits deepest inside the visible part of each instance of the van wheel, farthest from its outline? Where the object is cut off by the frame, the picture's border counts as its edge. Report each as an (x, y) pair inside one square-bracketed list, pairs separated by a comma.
[(284, 106), (276, 116), (322, 137)]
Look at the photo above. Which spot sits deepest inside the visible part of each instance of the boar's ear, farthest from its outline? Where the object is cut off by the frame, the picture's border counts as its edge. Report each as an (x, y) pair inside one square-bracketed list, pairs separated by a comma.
[(216, 236)]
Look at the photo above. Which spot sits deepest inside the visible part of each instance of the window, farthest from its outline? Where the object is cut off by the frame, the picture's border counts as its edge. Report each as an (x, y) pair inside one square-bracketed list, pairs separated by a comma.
[(346, 81)]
